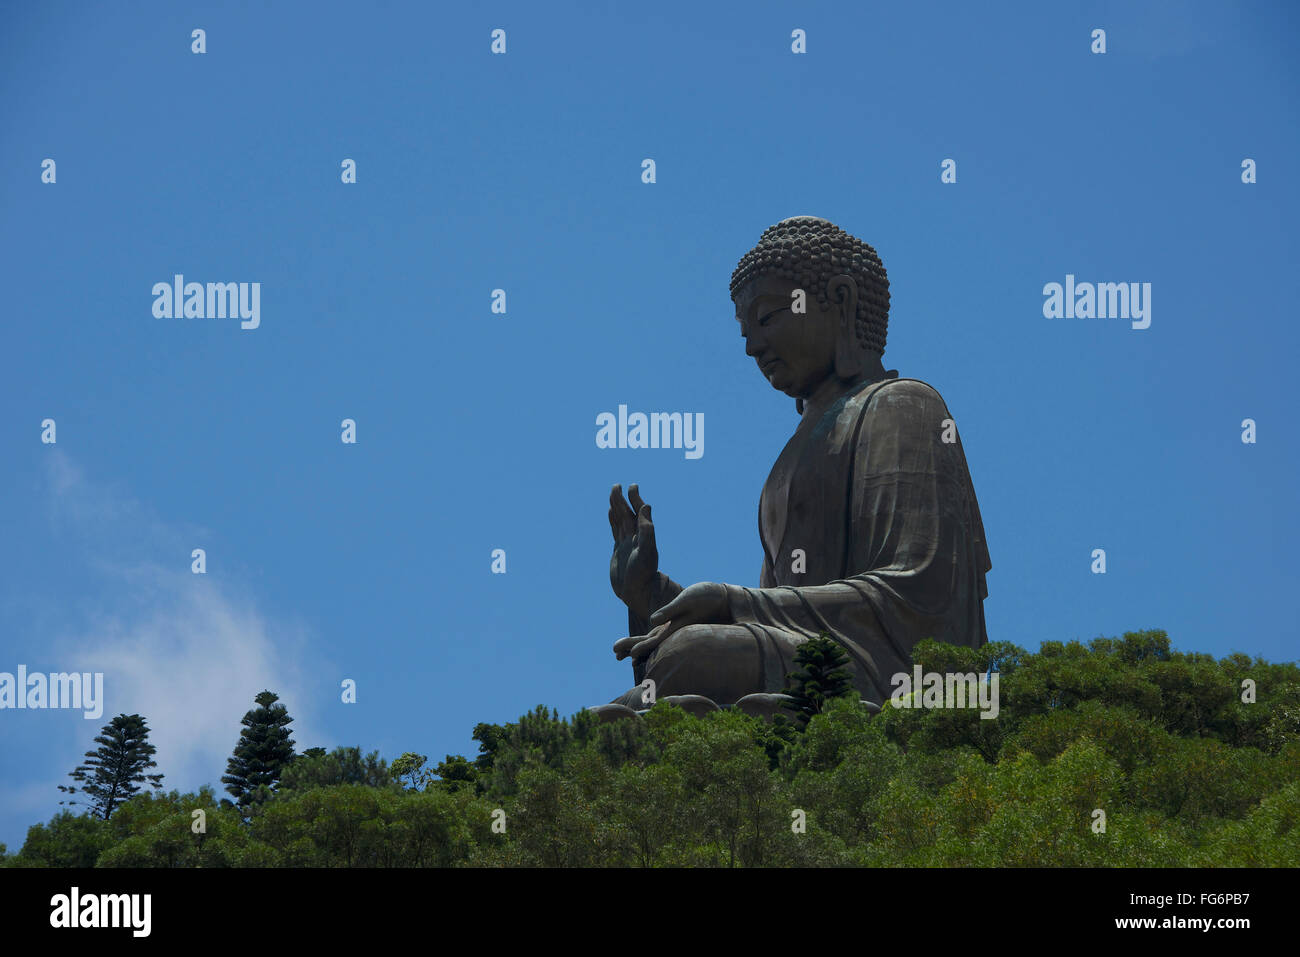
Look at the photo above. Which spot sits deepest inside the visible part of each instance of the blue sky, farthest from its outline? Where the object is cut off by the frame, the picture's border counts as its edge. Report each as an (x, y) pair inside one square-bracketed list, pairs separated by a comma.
[(476, 431)]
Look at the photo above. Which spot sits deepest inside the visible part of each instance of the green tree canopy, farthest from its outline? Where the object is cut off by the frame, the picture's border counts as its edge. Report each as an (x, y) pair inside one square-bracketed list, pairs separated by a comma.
[(1119, 752), (340, 766), (821, 674), (263, 749), (115, 770)]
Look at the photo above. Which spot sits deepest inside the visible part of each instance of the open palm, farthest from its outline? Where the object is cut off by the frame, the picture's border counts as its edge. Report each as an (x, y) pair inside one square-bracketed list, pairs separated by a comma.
[(635, 562)]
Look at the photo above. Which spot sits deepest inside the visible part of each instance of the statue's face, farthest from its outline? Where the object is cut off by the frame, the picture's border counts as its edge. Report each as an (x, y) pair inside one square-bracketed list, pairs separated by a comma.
[(794, 351)]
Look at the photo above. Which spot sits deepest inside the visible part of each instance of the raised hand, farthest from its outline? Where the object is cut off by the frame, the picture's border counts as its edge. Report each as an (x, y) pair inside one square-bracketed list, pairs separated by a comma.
[(635, 563)]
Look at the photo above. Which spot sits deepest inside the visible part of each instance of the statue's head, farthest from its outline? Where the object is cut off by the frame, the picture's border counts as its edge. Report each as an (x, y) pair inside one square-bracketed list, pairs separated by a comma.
[(845, 296)]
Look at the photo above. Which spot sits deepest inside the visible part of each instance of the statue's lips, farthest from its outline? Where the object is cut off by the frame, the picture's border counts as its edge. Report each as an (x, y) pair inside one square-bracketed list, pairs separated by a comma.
[(767, 367)]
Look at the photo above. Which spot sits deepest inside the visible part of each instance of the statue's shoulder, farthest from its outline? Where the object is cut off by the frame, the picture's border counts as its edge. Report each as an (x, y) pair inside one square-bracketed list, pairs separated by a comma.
[(897, 388)]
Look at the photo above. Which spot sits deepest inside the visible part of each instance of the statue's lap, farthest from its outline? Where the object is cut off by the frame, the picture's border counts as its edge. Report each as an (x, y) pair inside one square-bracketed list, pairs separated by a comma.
[(721, 662)]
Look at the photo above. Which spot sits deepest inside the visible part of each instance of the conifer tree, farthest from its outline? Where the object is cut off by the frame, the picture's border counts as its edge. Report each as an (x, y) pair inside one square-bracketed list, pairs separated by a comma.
[(115, 770), (820, 674), (264, 748)]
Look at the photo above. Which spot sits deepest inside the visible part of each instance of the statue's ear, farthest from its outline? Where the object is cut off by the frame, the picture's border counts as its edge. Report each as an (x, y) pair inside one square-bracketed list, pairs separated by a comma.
[(843, 294)]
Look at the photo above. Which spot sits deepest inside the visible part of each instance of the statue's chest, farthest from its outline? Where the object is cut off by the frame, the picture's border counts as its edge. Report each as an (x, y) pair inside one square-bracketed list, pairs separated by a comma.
[(803, 484)]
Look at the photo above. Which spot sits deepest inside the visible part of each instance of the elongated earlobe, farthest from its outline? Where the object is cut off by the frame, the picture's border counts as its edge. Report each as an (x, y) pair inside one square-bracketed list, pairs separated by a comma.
[(843, 293), (848, 356)]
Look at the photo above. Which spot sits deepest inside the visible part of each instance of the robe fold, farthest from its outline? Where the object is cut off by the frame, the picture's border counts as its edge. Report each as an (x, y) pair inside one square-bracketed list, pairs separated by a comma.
[(884, 513)]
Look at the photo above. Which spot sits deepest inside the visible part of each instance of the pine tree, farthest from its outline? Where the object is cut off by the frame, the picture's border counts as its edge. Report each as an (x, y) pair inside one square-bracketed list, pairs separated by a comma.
[(116, 769), (820, 674), (264, 748)]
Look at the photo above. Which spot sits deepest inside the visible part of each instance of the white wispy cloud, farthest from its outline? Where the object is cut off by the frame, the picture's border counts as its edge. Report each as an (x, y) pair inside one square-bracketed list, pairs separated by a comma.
[(189, 652)]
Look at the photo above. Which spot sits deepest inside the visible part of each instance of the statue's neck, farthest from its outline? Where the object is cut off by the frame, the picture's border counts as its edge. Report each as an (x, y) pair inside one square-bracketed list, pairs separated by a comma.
[(832, 389)]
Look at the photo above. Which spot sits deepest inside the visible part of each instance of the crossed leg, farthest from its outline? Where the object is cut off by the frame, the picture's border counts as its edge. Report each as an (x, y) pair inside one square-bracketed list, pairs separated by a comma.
[(720, 662)]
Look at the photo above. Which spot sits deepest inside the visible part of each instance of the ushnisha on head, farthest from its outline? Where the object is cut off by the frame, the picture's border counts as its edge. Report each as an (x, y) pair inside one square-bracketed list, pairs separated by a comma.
[(846, 293)]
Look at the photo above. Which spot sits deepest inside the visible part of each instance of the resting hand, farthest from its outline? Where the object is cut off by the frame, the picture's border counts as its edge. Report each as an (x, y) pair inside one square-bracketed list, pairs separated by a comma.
[(702, 603)]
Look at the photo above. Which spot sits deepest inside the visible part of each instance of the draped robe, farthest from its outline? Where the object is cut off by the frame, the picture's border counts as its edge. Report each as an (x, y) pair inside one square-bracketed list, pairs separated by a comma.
[(884, 513)]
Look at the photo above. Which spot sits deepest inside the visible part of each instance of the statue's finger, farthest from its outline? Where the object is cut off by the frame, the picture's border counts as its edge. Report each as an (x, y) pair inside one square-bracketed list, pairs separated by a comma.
[(671, 610), (622, 512), (634, 495), (633, 644), (616, 503), (645, 527), (646, 646)]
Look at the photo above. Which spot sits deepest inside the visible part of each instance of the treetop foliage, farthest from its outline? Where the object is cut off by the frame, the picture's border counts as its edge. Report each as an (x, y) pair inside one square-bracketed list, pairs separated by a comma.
[(1117, 752), (115, 770), (263, 750)]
